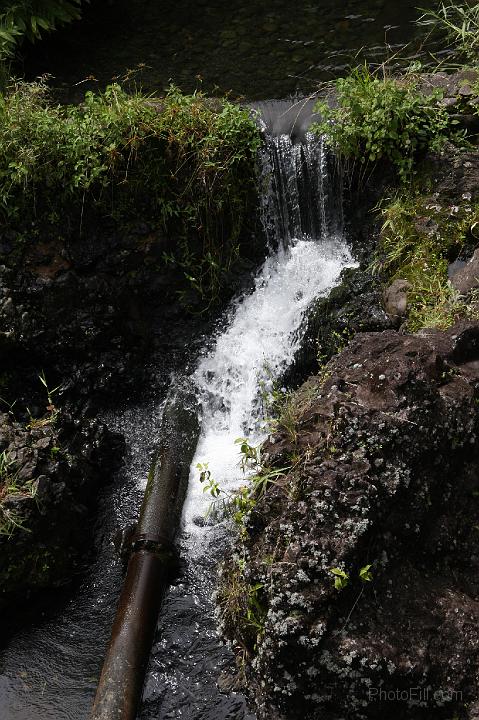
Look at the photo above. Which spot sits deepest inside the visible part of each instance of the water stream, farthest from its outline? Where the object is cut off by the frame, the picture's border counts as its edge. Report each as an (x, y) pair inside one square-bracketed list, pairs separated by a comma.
[(255, 346), (253, 49), (49, 669)]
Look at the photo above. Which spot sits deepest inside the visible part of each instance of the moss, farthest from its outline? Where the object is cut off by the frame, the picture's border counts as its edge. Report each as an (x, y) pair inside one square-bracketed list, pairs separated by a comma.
[(243, 610), (421, 234)]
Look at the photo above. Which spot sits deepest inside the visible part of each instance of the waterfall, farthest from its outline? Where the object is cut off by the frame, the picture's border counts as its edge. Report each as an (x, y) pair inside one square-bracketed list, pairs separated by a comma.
[(263, 329), (251, 354), (50, 667), (301, 183), (257, 342)]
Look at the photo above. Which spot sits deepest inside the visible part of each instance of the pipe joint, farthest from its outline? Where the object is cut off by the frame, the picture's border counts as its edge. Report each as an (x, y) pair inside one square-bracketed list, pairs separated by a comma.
[(156, 545)]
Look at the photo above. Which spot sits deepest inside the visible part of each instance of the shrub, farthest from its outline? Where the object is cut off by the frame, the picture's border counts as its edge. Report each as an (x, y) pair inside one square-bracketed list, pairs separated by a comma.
[(183, 162), (382, 117)]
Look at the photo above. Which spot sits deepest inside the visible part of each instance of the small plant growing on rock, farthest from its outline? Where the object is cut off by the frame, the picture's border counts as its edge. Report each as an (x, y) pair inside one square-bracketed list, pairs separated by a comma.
[(5, 464), (365, 574), (250, 455), (241, 502), (279, 410), (380, 117), (210, 485), (341, 578), (10, 519), (51, 410), (243, 607), (50, 391)]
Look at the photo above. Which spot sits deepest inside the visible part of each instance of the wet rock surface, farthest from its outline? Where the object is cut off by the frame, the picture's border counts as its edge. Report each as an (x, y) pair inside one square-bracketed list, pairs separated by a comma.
[(50, 472), (84, 310), (355, 305), (466, 278), (455, 175), (384, 460)]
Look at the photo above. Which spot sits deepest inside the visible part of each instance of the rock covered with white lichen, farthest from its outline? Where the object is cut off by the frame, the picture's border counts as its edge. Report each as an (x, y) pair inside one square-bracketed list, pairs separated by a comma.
[(383, 455)]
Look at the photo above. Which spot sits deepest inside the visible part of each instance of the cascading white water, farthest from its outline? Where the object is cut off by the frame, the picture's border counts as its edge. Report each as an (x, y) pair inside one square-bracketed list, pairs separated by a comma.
[(263, 330), (260, 337), (294, 200), (257, 346)]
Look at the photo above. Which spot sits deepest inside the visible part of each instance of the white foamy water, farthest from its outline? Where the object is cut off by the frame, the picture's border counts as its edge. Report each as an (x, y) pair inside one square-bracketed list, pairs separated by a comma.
[(258, 344)]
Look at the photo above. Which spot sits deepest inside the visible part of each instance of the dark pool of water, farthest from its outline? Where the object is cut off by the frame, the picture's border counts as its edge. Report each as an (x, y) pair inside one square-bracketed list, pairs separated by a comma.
[(254, 49)]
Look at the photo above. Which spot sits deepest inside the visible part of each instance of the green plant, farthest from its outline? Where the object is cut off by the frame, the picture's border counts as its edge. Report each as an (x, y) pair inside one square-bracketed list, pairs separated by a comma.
[(376, 117), (250, 455), (10, 519), (50, 391), (280, 409), (5, 464), (243, 500), (459, 24), (341, 578), (419, 235), (29, 19), (184, 163), (209, 484), (9, 406), (255, 610), (365, 574), (242, 606)]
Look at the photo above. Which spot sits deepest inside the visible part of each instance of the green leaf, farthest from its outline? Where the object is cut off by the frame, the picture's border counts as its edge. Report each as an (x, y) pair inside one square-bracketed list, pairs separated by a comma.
[(341, 578), (365, 574)]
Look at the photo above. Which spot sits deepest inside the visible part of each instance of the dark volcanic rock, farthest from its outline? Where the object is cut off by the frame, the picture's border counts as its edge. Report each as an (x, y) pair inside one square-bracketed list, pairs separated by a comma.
[(355, 305), (92, 310), (395, 298), (467, 277), (50, 472), (453, 174), (385, 454), (84, 306)]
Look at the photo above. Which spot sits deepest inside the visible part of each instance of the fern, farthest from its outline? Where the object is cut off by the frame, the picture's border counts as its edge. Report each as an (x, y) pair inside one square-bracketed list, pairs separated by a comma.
[(30, 19)]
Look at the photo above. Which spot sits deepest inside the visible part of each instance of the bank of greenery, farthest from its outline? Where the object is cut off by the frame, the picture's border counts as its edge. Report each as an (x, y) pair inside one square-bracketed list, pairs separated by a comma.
[(421, 235), (378, 118), (184, 163)]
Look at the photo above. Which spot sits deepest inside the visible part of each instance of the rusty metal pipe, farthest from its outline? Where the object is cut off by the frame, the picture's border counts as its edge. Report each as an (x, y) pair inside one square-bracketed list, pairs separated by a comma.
[(151, 562)]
